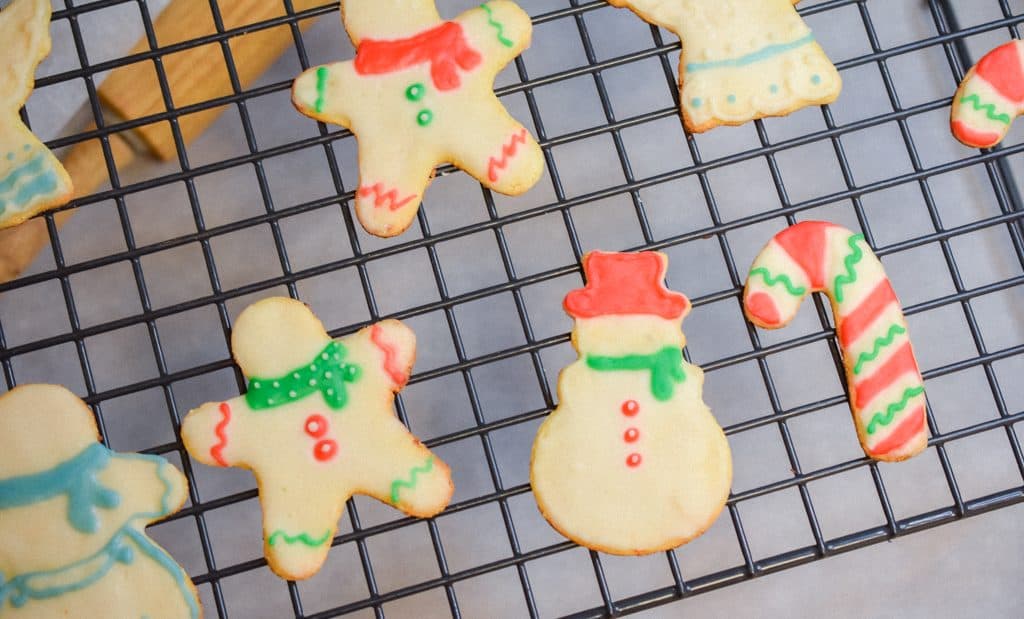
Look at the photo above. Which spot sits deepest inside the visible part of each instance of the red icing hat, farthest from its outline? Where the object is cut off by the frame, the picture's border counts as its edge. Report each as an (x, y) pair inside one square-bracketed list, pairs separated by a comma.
[(619, 284)]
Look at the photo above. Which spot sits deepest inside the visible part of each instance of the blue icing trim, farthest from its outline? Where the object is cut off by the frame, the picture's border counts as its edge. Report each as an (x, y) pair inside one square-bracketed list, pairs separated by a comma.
[(764, 53), (696, 102), (22, 588), (75, 478), (731, 98), (28, 181), (32, 167)]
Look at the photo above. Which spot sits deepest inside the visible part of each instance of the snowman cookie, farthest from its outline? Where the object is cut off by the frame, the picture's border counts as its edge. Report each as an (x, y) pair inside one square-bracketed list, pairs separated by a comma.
[(31, 178), (742, 59), (990, 97), (886, 389), (420, 93), (317, 425), (632, 461), (73, 514)]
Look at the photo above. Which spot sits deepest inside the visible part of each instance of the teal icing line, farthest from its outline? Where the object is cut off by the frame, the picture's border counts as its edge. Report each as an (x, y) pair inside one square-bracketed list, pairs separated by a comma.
[(41, 185), (165, 561), (764, 53), (32, 167)]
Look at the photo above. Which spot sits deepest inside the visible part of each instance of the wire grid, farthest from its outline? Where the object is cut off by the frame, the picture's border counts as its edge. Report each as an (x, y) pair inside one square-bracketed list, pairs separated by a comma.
[(949, 36)]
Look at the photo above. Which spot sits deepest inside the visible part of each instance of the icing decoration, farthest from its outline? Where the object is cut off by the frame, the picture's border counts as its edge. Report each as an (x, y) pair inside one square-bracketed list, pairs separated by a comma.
[(420, 93), (665, 366), (398, 484), (633, 460), (881, 369), (508, 151), (217, 451), (302, 538), (771, 280), (630, 408), (75, 478), (742, 59), (391, 363), (389, 198), (631, 435), (622, 284), (445, 48), (497, 25), (990, 97), (309, 458), (327, 374)]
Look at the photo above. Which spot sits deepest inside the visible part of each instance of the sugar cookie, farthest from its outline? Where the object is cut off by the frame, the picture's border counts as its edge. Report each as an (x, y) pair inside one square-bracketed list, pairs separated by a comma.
[(632, 461), (887, 391), (31, 178), (420, 93), (73, 513), (990, 97), (742, 59), (316, 426)]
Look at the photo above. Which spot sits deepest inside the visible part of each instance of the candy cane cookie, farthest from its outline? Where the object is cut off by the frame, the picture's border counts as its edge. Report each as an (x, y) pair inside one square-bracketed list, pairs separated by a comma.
[(990, 97), (886, 389)]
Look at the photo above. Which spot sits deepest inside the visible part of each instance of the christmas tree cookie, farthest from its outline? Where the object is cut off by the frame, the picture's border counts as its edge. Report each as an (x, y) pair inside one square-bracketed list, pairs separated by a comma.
[(742, 59), (990, 97), (73, 514), (317, 425), (31, 178), (886, 388), (632, 461), (420, 93)]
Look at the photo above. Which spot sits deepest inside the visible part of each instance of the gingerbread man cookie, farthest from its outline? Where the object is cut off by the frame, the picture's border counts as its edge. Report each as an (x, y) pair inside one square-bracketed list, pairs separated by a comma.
[(420, 93), (990, 97), (886, 388), (316, 426), (31, 178), (632, 461), (73, 514), (742, 59)]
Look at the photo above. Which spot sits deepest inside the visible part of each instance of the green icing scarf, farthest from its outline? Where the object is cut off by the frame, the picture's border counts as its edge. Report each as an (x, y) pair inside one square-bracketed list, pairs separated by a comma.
[(326, 373), (666, 367)]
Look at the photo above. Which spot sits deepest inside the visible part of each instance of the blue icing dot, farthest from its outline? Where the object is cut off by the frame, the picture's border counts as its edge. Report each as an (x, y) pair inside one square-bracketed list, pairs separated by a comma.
[(27, 147), (731, 98), (815, 79), (10, 156), (774, 88), (696, 102)]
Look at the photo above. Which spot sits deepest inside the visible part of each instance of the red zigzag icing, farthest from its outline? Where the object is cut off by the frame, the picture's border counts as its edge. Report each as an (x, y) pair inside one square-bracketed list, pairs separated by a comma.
[(508, 151), (382, 197)]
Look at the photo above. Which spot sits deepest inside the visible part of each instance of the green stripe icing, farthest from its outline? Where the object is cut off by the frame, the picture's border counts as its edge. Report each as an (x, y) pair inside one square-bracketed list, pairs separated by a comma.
[(321, 87), (989, 108), (880, 343), (666, 367), (850, 276), (772, 280), (301, 538), (398, 484), (884, 419), (497, 25)]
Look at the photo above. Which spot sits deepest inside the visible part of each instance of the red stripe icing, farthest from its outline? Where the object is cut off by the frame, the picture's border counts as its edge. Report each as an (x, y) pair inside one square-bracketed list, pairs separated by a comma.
[(444, 47), (854, 324), (902, 362), (975, 137), (217, 451), (1002, 69), (391, 366), (806, 244), (762, 306), (904, 433), (508, 151), (381, 197)]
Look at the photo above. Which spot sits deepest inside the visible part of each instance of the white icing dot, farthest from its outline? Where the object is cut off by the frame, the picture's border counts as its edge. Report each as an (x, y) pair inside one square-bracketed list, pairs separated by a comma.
[(277, 384), (324, 356), (292, 394), (312, 382), (328, 374), (296, 375), (256, 384), (330, 392), (312, 367)]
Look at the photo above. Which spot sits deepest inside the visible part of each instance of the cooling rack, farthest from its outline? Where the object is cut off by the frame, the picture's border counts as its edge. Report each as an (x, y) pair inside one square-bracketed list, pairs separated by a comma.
[(131, 305)]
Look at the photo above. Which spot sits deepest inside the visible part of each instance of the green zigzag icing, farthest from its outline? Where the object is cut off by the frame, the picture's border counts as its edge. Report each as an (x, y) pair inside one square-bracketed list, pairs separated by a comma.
[(989, 108), (398, 484), (880, 343), (850, 276), (301, 538), (884, 419), (771, 280), (497, 25)]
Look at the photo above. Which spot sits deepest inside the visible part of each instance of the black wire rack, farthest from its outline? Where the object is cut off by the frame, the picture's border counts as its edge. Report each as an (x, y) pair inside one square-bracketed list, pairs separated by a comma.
[(947, 36)]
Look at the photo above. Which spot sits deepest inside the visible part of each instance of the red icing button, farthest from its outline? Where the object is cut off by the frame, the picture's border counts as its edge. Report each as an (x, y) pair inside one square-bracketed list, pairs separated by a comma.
[(633, 460), (630, 408), (631, 435), (325, 450), (316, 425)]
